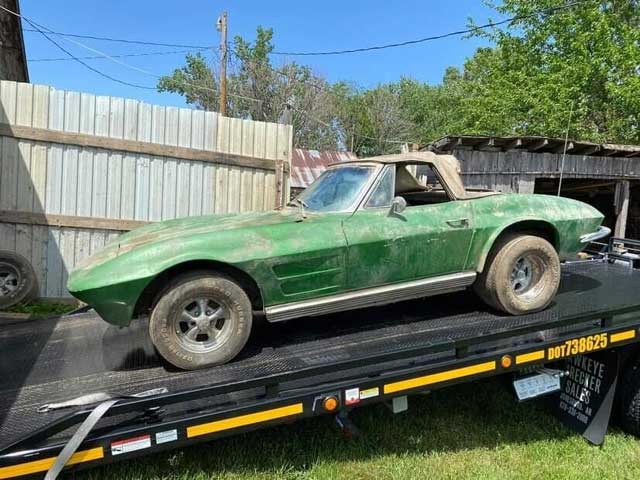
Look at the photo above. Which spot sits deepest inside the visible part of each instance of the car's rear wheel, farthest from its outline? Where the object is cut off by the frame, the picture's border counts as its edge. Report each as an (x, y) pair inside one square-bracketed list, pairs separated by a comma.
[(521, 276), (201, 320)]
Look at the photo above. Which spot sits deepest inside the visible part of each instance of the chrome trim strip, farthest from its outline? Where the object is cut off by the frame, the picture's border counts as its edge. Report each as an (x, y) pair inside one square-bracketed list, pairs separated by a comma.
[(591, 237), (371, 296)]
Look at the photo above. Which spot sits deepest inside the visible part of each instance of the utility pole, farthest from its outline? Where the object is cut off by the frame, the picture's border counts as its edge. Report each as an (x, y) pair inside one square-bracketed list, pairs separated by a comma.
[(222, 28)]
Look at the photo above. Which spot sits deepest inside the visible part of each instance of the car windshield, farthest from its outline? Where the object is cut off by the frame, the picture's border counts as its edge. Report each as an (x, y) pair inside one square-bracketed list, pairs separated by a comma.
[(337, 188)]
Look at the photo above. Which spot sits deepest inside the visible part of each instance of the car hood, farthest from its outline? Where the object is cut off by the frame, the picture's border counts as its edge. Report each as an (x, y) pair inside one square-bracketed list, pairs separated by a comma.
[(187, 227), (181, 227)]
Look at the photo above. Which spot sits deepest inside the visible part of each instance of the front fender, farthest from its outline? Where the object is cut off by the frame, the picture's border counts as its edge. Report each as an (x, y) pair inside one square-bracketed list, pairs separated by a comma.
[(484, 245)]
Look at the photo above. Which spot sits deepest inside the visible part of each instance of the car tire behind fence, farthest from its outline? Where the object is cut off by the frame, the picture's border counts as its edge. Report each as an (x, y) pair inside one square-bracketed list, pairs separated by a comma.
[(629, 398), (18, 281), (521, 275), (201, 319)]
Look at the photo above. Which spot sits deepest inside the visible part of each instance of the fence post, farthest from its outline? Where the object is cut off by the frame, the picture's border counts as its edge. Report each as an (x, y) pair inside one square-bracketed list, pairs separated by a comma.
[(279, 184)]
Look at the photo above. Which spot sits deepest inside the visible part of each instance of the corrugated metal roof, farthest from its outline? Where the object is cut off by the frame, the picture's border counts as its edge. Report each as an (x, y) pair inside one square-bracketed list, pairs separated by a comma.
[(307, 165), (533, 144)]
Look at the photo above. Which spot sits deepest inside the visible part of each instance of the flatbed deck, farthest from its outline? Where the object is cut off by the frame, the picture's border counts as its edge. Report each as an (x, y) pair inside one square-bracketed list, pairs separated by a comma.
[(286, 368)]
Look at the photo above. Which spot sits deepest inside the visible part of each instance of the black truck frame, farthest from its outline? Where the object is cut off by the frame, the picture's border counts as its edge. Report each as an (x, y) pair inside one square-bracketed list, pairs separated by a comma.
[(309, 367)]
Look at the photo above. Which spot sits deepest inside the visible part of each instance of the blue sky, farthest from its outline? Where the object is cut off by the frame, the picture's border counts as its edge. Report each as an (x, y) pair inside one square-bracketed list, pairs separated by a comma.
[(298, 25)]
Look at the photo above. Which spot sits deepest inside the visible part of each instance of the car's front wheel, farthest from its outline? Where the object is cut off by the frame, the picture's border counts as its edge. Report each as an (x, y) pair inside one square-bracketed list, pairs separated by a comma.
[(521, 276), (201, 320)]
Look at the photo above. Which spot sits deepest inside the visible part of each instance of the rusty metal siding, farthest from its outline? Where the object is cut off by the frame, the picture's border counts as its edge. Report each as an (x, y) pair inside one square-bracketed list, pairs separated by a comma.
[(308, 165), (64, 179)]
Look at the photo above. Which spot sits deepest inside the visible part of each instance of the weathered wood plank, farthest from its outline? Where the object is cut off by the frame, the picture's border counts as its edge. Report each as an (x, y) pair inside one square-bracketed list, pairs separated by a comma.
[(196, 182), (128, 187), (169, 192), (59, 221), (182, 193), (131, 146), (78, 181), (53, 287), (209, 189), (10, 173), (87, 113), (24, 104), (141, 211), (40, 117), (156, 173)]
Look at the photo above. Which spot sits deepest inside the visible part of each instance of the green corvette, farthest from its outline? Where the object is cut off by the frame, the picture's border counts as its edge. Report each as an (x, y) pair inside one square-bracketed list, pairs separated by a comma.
[(367, 232)]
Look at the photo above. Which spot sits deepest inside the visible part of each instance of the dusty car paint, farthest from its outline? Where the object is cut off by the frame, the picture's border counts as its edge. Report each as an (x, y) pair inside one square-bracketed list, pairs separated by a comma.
[(325, 253)]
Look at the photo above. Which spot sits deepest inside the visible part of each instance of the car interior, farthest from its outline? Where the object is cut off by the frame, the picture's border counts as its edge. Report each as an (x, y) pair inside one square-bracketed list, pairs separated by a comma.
[(418, 184)]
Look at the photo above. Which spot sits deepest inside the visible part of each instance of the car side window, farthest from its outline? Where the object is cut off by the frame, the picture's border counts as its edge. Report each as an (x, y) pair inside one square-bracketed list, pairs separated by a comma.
[(382, 194)]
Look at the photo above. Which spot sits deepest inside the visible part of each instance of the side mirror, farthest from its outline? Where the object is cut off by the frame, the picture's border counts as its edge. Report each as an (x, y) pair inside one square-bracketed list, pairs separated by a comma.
[(398, 205)]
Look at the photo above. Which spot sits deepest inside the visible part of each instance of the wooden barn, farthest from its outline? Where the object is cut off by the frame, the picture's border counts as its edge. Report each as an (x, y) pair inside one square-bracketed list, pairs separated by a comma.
[(606, 176)]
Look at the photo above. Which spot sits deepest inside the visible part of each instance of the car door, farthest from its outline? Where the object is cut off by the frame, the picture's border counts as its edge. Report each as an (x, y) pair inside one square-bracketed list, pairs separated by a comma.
[(440, 237), (420, 242), (377, 243)]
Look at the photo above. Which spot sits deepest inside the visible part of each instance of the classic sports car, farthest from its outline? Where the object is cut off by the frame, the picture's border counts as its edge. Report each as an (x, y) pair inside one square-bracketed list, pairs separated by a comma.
[(367, 232)]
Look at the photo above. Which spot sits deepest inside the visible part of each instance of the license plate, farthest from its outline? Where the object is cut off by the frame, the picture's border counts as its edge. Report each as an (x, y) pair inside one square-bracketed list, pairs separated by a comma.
[(536, 385)]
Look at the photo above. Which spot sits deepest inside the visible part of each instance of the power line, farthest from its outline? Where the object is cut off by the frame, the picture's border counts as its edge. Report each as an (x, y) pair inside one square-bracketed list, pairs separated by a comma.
[(122, 40), (466, 31), (547, 11), (86, 65), (102, 57), (39, 28), (101, 54)]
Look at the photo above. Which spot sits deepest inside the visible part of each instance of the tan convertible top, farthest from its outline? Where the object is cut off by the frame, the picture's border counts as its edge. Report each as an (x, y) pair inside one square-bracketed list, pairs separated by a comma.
[(447, 167)]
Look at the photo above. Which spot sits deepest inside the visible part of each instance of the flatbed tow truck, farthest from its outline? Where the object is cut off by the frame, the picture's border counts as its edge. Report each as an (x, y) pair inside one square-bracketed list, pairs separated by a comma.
[(79, 392)]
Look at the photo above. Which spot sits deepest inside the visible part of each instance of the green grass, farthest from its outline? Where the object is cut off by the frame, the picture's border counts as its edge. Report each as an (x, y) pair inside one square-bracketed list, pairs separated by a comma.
[(473, 431), (42, 309)]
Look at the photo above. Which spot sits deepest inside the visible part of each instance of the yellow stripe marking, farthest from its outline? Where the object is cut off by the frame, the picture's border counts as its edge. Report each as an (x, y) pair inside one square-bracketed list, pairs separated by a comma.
[(530, 357), (439, 377), (244, 420), (621, 336), (44, 464)]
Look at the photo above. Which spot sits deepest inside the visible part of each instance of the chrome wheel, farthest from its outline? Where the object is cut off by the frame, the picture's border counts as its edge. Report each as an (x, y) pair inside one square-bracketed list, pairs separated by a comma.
[(527, 276), (203, 325), (521, 275), (9, 279)]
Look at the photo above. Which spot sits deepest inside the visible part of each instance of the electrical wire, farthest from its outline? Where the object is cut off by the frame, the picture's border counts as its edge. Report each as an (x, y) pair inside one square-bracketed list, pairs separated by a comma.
[(101, 54), (124, 40), (545, 12), (101, 57), (86, 65), (466, 31)]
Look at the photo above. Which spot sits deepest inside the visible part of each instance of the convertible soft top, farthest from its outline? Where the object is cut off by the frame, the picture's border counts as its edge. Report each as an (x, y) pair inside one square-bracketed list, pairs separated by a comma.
[(447, 166)]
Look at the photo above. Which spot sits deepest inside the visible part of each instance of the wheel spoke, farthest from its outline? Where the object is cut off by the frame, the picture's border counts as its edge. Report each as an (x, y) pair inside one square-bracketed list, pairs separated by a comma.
[(192, 333), (217, 315), (188, 317), (203, 305)]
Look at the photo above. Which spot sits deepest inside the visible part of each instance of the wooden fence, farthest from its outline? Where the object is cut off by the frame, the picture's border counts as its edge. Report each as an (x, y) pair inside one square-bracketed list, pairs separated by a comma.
[(77, 169)]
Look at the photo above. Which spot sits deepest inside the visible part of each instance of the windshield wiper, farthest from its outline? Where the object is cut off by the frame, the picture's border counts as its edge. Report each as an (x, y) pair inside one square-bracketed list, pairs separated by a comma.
[(301, 204)]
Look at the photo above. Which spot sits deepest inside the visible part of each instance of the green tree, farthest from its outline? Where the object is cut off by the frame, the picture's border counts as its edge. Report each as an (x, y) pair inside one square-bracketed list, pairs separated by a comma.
[(261, 91), (583, 59), (371, 122), (433, 110)]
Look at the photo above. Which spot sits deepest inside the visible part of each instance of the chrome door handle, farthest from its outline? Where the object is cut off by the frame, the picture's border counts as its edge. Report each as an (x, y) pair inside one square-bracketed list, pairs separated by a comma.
[(459, 223)]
